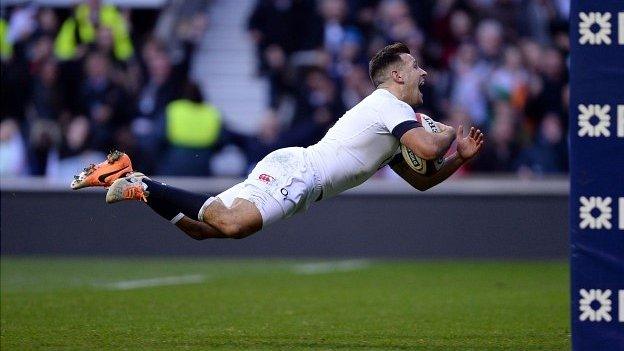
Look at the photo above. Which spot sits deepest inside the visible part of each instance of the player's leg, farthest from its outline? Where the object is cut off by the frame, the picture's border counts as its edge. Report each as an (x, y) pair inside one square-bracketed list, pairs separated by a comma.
[(276, 188), (198, 230), (236, 222), (181, 207)]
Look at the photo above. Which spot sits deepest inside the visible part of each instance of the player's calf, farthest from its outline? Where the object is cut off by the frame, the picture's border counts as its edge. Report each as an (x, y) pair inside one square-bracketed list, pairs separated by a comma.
[(198, 230)]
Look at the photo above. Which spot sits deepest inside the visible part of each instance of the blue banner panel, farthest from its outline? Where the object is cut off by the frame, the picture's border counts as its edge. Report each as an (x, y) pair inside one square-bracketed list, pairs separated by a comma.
[(597, 174)]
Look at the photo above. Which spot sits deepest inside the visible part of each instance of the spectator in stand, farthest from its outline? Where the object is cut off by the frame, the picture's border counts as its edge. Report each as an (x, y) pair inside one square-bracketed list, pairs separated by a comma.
[(101, 101), (318, 105), (287, 37), (406, 31), (341, 41), (193, 129), (357, 86), (23, 23), (45, 109), (553, 79), (333, 26), (6, 48), (15, 73), (75, 150), (452, 32), (350, 57), (510, 80), (81, 29), (275, 43), (16, 37), (537, 17), (12, 149), (161, 85), (548, 153), (501, 151), (97, 67), (391, 12), (494, 75), (467, 84), (496, 63), (47, 23), (125, 73), (490, 42)]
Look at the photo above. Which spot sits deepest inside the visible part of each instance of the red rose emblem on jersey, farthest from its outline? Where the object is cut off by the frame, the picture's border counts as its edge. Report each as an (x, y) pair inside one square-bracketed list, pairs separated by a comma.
[(265, 178)]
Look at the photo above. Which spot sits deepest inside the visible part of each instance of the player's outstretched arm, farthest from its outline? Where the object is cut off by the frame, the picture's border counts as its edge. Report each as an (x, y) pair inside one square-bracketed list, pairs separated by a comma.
[(429, 146), (467, 148)]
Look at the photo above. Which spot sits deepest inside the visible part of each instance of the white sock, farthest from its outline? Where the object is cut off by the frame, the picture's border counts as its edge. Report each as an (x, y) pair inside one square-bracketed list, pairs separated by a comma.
[(177, 218)]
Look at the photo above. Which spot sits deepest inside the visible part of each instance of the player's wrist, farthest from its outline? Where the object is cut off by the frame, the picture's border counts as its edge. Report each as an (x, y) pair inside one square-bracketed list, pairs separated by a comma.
[(461, 159)]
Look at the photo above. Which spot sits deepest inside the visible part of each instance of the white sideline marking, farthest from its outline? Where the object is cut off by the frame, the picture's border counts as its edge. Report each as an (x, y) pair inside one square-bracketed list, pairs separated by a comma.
[(330, 267), (146, 283)]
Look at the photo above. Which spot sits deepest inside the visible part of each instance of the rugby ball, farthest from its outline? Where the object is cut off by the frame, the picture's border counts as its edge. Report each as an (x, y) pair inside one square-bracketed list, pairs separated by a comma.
[(418, 164)]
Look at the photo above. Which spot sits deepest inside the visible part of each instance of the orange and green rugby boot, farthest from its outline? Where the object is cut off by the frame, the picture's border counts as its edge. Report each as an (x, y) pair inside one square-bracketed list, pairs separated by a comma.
[(130, 187), (117, 165)]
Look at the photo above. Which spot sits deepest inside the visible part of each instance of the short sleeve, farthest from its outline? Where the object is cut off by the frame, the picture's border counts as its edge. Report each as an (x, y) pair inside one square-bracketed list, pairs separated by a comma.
[(396, 113)]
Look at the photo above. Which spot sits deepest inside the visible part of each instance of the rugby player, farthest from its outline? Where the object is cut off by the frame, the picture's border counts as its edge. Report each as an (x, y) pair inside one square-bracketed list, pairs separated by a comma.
[(289, 180)]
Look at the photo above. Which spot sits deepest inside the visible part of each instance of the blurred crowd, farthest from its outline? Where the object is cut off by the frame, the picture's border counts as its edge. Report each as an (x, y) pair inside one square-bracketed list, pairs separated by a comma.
[(499, 65), (79, 82)]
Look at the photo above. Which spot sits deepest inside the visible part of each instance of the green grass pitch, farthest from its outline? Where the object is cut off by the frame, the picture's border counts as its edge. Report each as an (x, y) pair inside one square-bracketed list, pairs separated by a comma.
[(201, 304)]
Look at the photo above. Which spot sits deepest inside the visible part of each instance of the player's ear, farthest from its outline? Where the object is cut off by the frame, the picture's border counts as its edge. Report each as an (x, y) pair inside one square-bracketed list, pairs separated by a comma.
[(396, 76)]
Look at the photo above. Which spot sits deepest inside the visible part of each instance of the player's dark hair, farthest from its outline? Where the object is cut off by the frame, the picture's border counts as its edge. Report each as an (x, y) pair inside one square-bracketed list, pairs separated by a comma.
[(386, 57)]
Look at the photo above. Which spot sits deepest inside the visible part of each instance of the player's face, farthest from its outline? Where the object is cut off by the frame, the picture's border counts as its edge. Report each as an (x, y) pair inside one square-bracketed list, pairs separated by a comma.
[(414, 78)]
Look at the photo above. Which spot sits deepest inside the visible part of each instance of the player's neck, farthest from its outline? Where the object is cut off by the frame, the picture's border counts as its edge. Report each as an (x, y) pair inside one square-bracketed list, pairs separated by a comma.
[(396, 90)]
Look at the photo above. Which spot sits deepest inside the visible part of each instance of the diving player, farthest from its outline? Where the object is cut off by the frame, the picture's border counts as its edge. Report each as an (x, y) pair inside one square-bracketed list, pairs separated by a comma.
[(288, 181)]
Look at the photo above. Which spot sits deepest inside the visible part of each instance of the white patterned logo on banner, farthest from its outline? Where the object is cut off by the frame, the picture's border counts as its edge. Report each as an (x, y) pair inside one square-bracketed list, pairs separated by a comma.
[(595, 212), (621, 207), (621, 305), (595, 28), (594, 120), (595, 305)]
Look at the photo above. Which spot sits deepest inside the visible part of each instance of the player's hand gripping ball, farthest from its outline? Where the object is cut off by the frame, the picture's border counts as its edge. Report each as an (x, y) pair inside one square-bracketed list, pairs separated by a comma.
[(418, 164)]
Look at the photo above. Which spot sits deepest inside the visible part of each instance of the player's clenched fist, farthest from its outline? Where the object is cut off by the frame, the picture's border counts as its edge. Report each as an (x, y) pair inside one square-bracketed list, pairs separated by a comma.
[(469, 146)]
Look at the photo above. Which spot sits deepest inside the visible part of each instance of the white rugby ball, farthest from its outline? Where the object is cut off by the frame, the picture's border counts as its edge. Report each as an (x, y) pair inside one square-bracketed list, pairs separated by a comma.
[(418, 164)]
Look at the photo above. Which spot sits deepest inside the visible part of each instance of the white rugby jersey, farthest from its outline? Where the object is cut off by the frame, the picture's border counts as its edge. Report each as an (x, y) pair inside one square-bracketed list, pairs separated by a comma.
[(359, 143)]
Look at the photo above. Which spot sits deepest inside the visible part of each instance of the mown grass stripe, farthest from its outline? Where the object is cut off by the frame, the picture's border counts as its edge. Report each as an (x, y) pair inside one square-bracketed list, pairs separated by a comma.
[(152, 282)]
